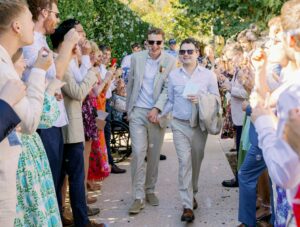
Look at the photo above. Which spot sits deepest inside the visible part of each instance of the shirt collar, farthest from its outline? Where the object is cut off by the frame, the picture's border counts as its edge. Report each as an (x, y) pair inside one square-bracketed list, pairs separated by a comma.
[(5, 56), (198, 68), (155, 60), (38, 35)]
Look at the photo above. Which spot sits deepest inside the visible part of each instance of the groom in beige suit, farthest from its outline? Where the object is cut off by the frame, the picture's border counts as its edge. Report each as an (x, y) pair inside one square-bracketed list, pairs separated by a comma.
[(146, 97)]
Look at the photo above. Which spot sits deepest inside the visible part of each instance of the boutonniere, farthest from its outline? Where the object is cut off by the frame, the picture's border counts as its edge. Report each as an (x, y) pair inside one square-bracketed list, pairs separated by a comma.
[(162, 69)]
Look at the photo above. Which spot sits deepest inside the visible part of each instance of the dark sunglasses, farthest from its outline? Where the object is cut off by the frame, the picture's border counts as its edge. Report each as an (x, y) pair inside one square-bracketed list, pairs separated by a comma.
[(151, 42), (189, 52)]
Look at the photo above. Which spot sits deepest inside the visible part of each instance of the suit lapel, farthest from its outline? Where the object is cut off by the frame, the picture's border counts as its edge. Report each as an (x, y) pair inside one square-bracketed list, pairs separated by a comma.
[(162, 63)]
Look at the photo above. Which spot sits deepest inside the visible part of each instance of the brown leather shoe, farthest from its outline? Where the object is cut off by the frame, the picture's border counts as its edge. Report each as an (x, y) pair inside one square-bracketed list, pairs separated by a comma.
[(187, 215), (117, 170), (195, 204), (67, 222), (94, 224), (91, 200), (67, 217)]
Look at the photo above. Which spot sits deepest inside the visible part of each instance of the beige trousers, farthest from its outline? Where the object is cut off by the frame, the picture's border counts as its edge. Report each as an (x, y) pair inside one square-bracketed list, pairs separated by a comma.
[(146, 139), (189, 144)]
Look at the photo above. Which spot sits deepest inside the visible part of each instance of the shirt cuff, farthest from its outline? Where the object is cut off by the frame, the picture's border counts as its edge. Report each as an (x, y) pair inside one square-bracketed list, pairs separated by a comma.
[(38, 71), (85, 59), (263, 122)]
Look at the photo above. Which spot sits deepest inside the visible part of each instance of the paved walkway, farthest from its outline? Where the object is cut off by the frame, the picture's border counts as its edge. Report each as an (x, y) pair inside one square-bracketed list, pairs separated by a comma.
[(217, 205)]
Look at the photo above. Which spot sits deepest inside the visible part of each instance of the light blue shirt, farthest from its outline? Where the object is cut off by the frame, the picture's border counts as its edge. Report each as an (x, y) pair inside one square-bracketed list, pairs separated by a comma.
[(282, 161), (180, 106), (30, 55), (145, 98)]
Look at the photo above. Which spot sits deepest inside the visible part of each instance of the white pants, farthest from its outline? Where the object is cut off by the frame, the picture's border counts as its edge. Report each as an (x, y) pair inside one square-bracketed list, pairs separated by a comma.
[(146, 139), (189, 144), (9, 158)]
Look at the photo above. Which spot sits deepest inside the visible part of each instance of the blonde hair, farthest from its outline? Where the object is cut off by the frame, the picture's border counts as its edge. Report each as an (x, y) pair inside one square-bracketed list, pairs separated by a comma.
[(274, 21), (9, 10), (290, 15), (94, 46)]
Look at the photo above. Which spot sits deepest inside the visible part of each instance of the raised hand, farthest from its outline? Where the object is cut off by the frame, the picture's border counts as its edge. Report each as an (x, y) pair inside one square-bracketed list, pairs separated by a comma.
[(44, 59), (258, 58), (71, 38), (86, 48)]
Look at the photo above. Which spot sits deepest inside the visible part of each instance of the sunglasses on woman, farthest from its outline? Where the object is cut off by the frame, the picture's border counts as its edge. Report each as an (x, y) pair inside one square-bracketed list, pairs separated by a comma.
[(158, 42), (189, 52)]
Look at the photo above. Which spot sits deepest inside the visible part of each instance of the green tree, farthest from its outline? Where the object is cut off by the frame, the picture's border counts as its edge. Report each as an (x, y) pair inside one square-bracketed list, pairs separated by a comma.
[(106, 22), (172, 16), (232, 16)]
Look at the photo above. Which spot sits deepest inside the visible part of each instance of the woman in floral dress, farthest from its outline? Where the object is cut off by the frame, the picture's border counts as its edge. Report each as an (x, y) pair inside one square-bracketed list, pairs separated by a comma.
[(36, 198), (99, 167)]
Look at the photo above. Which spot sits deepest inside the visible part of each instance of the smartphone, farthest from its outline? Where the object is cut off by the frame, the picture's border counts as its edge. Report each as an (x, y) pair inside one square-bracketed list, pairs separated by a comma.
[(113, 61)]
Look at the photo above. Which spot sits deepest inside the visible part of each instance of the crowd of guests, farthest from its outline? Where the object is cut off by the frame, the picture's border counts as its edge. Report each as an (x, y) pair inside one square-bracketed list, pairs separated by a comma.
[(257, 76), (51, 136)]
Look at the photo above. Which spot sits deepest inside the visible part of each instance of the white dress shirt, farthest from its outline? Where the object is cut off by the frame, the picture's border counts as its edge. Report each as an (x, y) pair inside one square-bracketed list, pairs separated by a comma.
[(85, 65), (282, 161), (180, 106), (30, 55), (145, 98), (126, 61), (80, 72), (112, 87)]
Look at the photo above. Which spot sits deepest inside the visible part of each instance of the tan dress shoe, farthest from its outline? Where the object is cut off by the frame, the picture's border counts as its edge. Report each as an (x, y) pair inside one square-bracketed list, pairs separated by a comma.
[(137, 206), (152, 199)]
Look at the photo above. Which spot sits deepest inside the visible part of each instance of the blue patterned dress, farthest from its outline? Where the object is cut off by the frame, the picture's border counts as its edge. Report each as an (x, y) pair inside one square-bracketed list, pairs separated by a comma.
[(36, 198), (282, 208)]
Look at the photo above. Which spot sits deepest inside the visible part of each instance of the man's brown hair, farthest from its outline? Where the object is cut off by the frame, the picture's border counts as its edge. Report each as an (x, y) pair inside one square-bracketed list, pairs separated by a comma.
[(10, 9), (35, 6), (156, 31)]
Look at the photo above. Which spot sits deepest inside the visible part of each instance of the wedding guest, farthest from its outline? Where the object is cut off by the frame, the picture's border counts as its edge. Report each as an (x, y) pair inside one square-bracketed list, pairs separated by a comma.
[(106, 50), (188, 136), (73, 133), (282, 162), (146, 97), (45, 15)]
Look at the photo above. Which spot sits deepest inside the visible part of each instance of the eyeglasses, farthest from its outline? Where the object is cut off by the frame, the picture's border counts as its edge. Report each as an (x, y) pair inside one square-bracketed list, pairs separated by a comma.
[(158, 42), (55, 13), (189, 52)]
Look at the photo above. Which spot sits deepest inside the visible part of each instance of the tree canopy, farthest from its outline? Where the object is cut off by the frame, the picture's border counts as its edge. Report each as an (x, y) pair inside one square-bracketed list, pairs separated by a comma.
[(231, 16)]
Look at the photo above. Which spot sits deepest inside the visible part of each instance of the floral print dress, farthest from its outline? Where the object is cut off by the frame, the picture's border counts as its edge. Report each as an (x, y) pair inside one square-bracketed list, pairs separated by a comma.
[(36, 198)]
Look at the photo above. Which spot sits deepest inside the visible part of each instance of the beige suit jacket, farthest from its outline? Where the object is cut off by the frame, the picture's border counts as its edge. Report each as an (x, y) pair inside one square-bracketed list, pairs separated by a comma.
[(29, 110), (74, 93), (135, 80)]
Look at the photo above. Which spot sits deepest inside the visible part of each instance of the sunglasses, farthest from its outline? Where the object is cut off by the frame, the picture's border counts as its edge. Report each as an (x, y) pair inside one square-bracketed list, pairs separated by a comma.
[(158, 42), (189, 52), (55, 13)]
